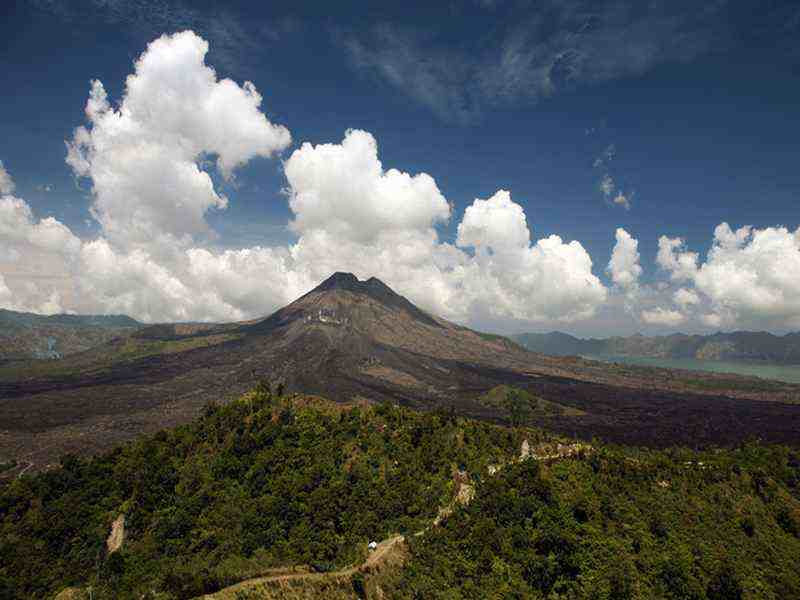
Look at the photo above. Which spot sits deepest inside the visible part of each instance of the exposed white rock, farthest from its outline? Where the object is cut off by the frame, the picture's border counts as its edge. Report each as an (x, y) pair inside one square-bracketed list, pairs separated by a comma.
[(117, 535)]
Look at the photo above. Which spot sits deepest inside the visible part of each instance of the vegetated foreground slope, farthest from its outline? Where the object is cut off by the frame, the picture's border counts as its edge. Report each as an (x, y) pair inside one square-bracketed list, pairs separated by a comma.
[(260, 483), (736, 345), (348, 340), (614, 524), (276, 488), (26, 335)]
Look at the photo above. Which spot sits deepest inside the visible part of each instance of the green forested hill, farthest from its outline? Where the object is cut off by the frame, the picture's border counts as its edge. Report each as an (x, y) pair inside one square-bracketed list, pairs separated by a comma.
[(259, 483), (271, 481)]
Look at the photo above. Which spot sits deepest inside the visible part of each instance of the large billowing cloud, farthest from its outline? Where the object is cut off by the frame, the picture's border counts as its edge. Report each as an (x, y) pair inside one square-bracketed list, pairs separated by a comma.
[(625, 270), (143, 157), (343, 189), (353, 215), (685, 298), (546, 281), (495, 225), (151, 196), (19, 228), (32, 251), (753, 274), (624, 266), (750, 278), (673, 258)]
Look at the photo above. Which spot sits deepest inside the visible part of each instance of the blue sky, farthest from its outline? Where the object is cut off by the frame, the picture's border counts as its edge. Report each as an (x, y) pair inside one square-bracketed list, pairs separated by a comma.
[(700, 108)]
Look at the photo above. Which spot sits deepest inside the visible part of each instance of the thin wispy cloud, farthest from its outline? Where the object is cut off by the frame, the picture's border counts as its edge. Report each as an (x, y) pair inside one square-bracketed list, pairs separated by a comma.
[(564, 45), (536, 53), (607, 185), (233, 38), (623, 200), (605, 157), (436, 79), (613, 194)]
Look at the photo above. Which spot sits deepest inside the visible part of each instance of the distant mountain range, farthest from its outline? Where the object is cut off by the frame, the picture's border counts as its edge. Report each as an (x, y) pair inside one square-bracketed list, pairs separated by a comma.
[(28, 335), (735, 346)]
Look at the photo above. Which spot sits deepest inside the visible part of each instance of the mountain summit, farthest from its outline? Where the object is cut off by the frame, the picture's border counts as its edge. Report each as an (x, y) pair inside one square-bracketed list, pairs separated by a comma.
[(342, 299), (372, 287), (346, 281), (349, 338)]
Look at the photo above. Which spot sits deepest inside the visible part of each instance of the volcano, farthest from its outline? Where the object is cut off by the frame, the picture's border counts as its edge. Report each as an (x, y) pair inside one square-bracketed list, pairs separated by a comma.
[(352, 340), (349, 338)]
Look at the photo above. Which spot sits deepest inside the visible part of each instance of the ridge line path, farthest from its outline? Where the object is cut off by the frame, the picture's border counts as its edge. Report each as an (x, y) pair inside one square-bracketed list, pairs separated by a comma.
[(374, 558), (385, 546)]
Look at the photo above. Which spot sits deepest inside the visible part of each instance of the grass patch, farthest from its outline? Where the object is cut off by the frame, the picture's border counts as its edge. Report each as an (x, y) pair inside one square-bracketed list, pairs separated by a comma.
[(521, 406)]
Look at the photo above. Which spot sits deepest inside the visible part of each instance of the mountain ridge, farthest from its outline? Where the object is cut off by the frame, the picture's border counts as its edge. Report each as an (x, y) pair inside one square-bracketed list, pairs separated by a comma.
[(26, 335), (735, 345)]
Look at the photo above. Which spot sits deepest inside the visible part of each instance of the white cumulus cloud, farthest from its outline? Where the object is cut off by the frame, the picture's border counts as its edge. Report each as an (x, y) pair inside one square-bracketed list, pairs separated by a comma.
[(547, 280), (497, 224), (681, 264), (152, 258), (624, 266), (36, 255), (18, 226), (344, 189), (753, 275), (143, 157), (750, 277), (352, 215)]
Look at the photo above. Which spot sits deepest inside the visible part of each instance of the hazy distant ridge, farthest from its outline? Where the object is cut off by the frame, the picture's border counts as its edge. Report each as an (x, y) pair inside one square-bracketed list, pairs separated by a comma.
[(27, 335), (737, 345)]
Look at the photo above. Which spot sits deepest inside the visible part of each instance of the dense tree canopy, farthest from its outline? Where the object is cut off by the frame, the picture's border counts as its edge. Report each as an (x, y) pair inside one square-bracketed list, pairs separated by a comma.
[(271, 481), (622, 524), (261, 482)]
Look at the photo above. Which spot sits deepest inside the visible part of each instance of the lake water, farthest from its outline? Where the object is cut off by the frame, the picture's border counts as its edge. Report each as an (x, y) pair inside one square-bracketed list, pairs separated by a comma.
[(788, 373)]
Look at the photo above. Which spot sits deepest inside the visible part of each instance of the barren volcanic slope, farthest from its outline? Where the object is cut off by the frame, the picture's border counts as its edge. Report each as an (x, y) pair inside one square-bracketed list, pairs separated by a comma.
[(349, 339)]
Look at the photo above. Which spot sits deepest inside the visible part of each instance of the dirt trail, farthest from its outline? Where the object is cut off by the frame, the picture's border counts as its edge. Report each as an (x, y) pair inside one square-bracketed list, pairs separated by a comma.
[(375, 558), (465, 493), (22, 472)]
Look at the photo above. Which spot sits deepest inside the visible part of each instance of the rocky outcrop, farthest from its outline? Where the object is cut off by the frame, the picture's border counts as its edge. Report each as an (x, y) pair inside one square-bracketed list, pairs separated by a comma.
[(117, 536)]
